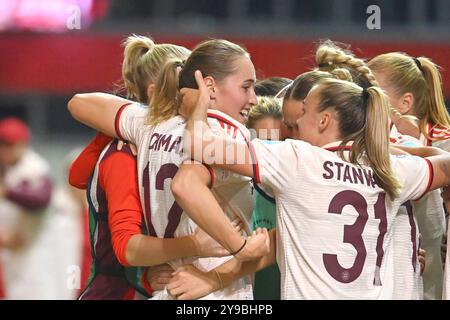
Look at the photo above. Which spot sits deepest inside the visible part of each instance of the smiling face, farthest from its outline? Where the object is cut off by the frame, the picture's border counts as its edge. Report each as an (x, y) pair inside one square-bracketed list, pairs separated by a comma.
[(235, 94)]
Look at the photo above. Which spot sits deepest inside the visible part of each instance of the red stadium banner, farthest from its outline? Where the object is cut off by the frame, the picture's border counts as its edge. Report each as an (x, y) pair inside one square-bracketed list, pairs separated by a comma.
[(69, 63)]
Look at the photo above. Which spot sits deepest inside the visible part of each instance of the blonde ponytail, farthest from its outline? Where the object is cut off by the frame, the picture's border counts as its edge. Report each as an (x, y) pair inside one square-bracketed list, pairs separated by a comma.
[(142, 63), (364, 119), (135, 48), (436, 113), (166, 97), (376, 141), (422, 79)]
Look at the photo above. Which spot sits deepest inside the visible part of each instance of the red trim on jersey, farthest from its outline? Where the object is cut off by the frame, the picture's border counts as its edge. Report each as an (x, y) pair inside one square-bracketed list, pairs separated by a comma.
[(145, 284), (211, 173), (222, 119), (235, 134), (440, 133), (430, 179), (117, 120), (256, 175)]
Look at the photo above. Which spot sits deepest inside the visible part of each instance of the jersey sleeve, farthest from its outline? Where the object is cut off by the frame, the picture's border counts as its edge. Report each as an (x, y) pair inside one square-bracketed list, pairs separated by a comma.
[(273, 164), (130, 119), (118, 177), (82, 168), (414, 186)]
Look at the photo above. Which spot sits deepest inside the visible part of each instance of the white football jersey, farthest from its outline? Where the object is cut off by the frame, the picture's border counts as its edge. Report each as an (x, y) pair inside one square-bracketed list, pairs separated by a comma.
[(433, 271), (334, 223), (407, 279), (159, 157), (432, 224)]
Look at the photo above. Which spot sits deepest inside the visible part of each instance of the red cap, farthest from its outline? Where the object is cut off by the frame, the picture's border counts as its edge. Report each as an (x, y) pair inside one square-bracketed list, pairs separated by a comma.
[(14, 130)]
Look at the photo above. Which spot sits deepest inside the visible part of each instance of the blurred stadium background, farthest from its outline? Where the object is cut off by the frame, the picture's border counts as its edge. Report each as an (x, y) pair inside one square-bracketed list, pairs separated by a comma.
[(43, 62)]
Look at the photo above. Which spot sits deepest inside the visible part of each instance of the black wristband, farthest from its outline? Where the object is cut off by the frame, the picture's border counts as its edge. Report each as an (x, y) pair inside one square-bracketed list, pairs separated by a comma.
[(240, 249)]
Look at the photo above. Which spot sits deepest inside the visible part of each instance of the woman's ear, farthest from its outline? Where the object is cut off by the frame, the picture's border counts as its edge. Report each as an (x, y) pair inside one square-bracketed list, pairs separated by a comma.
[(211, 84), (325, 121), (406, 104)]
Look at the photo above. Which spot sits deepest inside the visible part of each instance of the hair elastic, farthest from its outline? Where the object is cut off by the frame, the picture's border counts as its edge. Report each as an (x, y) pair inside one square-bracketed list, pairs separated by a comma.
[(418, 63), (240, 249)]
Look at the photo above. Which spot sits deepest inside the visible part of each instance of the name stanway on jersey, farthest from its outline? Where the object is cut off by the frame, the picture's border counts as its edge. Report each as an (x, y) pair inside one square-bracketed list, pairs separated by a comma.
[(334, 223), (159, 157)]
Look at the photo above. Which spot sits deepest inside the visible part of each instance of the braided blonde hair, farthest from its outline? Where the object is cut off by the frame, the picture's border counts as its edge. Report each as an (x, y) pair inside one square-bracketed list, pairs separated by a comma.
[(330, 56)]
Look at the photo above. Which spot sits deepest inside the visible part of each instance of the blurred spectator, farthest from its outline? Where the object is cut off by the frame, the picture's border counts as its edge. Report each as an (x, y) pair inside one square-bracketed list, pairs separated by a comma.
[(25, 192), (71, 228)]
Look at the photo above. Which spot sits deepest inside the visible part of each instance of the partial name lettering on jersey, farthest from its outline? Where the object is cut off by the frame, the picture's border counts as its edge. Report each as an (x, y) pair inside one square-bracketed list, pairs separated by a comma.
[(167, 142), (347, 172)]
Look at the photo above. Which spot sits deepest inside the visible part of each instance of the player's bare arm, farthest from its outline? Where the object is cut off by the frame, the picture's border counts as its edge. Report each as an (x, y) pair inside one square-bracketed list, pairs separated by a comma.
[(97, 110), (191, 191), (190, 283)]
